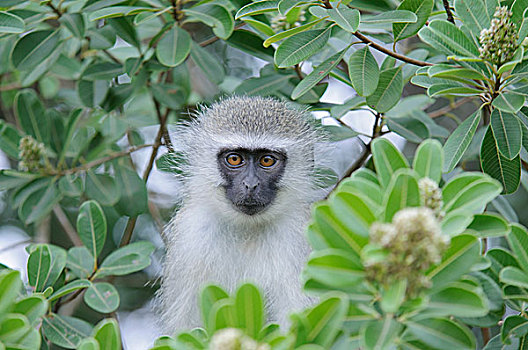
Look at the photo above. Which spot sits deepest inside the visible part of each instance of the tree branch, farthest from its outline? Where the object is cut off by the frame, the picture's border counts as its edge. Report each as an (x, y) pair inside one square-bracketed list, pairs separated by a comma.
[(448, 11), (441, 111), (56, 10), (67, 226), (391, 53), (99, 161)]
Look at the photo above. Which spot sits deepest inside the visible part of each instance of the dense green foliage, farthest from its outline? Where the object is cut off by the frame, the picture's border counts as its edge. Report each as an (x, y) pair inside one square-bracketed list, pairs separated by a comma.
[(82, 80)]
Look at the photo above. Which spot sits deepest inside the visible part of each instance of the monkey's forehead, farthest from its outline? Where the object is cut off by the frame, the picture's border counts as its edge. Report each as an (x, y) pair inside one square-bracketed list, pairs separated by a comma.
[(246, 115)]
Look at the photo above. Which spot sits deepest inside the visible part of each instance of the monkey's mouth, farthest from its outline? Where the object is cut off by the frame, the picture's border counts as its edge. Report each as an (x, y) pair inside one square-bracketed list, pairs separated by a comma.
[(250, 208)]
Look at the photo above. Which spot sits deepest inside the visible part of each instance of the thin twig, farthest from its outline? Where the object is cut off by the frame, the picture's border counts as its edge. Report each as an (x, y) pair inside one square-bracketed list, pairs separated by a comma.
[(99, 161), (67, 226), (14, 245), (8, 87), (112, 57), (448, 11), (131, 224), (441, 111), (391, 53), (56, 10), (215, 38)]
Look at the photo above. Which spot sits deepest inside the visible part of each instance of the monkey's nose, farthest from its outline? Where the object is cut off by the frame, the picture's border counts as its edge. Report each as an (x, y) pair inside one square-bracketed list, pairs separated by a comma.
[(251, 184)]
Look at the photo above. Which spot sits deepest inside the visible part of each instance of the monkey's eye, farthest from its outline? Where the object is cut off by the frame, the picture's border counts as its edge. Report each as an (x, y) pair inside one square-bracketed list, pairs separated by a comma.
[(234, 159), (267, 161)]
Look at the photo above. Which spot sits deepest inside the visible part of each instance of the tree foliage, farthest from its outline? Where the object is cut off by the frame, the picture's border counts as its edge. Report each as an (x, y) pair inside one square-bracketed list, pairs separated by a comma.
[(82, 80)]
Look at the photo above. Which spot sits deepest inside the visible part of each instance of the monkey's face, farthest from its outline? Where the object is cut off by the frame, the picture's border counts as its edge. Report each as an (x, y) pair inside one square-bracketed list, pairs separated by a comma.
[(251, 177)]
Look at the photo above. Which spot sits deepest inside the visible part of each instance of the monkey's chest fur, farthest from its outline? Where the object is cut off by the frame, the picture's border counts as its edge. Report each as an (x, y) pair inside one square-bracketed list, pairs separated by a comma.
[(204, 250)]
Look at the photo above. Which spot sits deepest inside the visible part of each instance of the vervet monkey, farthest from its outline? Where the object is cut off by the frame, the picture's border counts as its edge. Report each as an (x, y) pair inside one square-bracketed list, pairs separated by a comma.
[(249, 182)]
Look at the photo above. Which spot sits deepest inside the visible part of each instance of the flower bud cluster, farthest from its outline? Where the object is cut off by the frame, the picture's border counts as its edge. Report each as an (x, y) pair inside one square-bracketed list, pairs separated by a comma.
[(234, 339), (413, 242), (30, 152), (431, 196), (499, 42), (280, 22)]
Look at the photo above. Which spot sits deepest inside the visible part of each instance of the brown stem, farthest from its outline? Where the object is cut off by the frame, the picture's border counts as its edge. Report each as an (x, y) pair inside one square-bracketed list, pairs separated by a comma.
[(56, 10), (8, 87), (327, 4), (112, 57), (298, 71), (391, 53), (67, 226), (441, 111), (448, 11), (131, 224), (175, 10)]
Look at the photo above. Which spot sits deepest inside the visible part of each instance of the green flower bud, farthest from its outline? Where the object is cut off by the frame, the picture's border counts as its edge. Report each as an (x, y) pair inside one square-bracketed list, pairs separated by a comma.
[(499, 41), (30, 152)]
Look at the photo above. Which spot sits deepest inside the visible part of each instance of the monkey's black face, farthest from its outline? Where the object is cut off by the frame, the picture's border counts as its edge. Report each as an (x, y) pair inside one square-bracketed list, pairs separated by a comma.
[(251, 177)]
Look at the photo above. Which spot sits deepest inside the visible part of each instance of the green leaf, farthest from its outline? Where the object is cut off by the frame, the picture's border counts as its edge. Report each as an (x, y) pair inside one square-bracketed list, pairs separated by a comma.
[(318, 74), (210, 65), (223, 315), (39, 267), (266, 85), (107, 334), (380, 335), (80, 262), (388, 92), (323, 320), (395, 16), (9, 139), (91, 226), (249, 309), (456, 73), (33, 307), (469, 192), (256, 8), (508, 102), (335, 268), (128, 259), (387, 159), (70, 287), (75, 24), (368, 190), (174, 47), (475, 14), (459, 141), (102, 297), (422, 10), (288, 33), (507, 133), (71, 185), (92, 93), (10, 23), (401, 193), (102, 188), (514, 276), (462, 253), (65, 331), (448, 38), (393, 296), (88, 344), (441, 333), (518, 242), (214, 16), (345, 17), (208, 298), (489, 225), (39, 204), (513, 326), (33, 48), (428, 160), (252, 44), (133, 200), (125, 30), (301, 46), (285, 6), (459, 300), (507, 171), (118, 11), (363, 71), (30, 114), (10, 285), (102, 71), (409, 127)]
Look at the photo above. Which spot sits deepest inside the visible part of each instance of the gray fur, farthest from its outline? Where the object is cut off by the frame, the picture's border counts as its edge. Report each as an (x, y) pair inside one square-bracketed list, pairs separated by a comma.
[(211, 242)]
